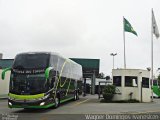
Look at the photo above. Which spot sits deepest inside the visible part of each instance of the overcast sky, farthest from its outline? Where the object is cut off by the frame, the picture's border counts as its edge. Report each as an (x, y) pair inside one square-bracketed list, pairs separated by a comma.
[(81, 29)]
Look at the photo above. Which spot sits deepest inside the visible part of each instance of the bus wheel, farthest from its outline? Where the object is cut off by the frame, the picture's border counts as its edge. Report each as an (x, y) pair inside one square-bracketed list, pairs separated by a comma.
[(57, 102), (76, 97)]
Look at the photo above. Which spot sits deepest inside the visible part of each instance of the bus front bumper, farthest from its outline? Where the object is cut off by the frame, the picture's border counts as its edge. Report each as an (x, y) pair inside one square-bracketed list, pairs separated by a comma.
[(45, 103)]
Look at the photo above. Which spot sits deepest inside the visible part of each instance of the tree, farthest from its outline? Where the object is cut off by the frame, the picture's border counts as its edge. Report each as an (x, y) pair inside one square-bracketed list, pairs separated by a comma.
[(101, 75)]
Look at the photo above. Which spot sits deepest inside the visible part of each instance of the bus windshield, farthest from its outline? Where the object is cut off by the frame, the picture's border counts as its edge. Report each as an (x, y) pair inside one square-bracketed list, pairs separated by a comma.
[(31, 61), (28, 84)]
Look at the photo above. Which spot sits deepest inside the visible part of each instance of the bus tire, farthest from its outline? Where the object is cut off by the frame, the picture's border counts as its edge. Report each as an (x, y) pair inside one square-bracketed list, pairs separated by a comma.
[(57, 102), (76, 95)]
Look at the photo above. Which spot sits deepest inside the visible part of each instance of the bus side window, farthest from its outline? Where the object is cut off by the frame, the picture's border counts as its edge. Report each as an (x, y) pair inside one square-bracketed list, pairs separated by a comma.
[(54, 61), (61, 62)]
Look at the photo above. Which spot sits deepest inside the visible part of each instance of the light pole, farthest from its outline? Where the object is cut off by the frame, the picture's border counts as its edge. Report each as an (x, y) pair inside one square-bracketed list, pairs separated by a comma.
[(113, 54)]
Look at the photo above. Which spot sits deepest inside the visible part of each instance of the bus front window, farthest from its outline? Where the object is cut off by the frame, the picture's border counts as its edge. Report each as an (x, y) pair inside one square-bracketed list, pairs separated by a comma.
[(28, 84), (31, 61)]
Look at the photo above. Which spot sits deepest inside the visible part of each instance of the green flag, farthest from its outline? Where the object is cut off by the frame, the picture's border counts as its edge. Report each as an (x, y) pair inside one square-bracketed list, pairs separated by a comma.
[(128, 27)]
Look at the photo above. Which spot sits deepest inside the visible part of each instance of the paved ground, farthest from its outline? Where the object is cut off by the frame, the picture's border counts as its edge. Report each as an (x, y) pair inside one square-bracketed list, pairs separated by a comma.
[(87, 105)]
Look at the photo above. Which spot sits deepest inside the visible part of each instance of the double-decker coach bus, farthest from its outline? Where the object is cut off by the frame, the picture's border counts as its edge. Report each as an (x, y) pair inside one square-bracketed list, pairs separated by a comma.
[(43, 80)]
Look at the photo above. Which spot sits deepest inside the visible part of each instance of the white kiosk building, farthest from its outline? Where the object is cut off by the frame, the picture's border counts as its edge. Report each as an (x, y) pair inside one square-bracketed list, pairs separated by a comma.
[(132, 84)]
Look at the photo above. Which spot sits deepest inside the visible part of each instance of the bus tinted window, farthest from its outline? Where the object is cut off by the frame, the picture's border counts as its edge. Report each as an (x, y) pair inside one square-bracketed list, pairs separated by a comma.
[(54, 61), (27, 61)]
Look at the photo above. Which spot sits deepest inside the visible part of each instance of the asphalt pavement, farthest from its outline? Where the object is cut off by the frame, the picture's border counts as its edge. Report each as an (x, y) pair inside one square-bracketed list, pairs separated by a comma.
[(80, 108)]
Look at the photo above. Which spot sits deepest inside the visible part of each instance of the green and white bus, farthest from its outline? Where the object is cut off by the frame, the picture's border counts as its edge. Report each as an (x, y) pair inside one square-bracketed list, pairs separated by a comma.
[(156, 89), (43, 80)]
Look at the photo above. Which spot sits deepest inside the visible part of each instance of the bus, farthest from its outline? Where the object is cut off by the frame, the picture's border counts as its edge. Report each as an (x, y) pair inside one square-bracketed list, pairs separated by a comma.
[(156, 89), (43, 80)]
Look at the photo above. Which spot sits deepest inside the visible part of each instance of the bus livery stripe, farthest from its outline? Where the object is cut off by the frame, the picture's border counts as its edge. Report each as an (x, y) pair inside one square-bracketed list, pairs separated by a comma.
[(25, 97)]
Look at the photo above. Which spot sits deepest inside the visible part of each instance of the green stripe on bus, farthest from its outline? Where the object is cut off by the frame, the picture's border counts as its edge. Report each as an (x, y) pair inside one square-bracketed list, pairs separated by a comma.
[(25, 97), (66, 99), (44, 106)]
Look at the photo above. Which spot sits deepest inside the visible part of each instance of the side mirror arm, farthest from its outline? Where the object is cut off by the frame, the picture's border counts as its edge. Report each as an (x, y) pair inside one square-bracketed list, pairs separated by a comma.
[(47, 71)]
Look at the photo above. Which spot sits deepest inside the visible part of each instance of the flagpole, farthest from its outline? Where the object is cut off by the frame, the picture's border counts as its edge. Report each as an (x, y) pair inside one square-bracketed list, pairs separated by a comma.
[(152, 52), (124, 45)]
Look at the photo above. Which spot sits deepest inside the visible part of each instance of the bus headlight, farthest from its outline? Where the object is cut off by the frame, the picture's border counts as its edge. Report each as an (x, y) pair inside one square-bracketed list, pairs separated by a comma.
[(42, 103), (10, 103)]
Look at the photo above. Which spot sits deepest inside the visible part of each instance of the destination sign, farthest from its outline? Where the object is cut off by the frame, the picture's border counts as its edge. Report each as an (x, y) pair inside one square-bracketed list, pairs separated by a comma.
[(28, 71)]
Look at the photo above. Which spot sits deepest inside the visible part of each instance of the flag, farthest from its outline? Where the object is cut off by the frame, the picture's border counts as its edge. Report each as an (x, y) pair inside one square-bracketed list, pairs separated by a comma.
[(128, 27), (154, 26)]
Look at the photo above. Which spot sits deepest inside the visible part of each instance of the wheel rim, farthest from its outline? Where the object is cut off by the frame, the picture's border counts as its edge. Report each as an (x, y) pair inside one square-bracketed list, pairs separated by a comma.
[(75, 96), (56, 102)]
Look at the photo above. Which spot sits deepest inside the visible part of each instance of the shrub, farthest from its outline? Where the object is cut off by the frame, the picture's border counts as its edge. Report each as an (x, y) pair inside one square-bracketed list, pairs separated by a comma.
[(108, 92)]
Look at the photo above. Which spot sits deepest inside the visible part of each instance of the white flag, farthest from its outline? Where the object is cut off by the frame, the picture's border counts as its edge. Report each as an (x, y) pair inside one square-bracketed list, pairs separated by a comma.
[(154, 26)]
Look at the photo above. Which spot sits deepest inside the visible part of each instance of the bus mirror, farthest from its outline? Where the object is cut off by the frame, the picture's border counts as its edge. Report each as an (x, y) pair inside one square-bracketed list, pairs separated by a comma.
[(4, 72), (47, 72)]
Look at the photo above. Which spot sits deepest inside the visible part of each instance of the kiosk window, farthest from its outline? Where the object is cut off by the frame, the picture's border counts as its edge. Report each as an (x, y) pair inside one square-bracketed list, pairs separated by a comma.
[(131, 81), (117, 80), (145, 82)]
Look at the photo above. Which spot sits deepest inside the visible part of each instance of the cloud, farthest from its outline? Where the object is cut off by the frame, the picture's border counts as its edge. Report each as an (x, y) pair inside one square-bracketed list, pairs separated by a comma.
[(88, 29)]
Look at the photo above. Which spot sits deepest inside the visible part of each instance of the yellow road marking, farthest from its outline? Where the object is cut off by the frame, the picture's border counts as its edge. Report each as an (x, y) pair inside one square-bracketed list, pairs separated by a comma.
[(140, 112), (148, 111), (81, 102)]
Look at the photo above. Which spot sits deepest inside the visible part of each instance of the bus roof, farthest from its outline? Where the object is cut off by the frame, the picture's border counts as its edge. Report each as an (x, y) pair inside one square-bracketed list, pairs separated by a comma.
[(50, 53)]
